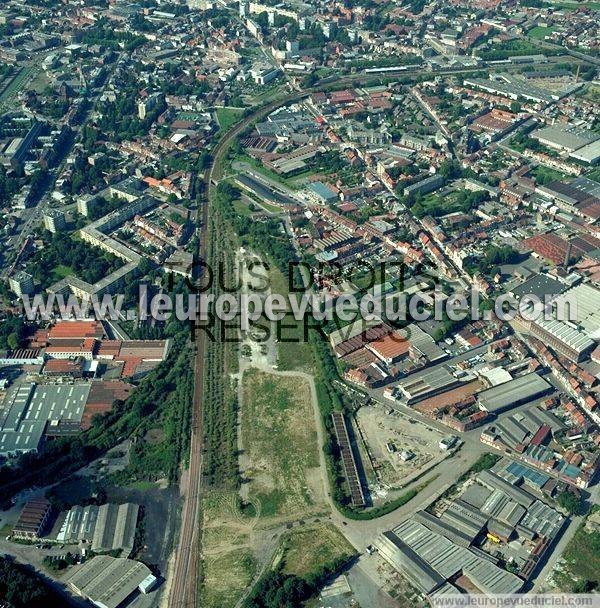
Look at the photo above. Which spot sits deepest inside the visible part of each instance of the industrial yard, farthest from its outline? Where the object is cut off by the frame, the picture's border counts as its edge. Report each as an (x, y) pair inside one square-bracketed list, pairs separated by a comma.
[(400, 447)]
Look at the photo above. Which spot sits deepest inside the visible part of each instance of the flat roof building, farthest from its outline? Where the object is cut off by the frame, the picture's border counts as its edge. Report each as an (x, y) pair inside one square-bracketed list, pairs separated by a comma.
[(585, 312), (54, 221), (28, 411), (513, 393), (589, 154), (567, 138), (21, 283), (541, 286)]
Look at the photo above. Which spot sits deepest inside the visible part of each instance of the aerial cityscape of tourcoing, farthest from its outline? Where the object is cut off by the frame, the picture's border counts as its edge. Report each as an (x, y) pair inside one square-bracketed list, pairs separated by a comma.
[(299, 303)]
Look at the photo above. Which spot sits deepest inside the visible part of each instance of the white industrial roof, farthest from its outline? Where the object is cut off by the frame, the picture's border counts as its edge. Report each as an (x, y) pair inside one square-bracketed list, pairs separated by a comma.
[(587, 309)]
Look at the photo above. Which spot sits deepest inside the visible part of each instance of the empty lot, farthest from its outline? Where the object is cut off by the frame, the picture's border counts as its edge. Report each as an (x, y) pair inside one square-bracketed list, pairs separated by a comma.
[(228, 562), (279, 440), (380, 428)]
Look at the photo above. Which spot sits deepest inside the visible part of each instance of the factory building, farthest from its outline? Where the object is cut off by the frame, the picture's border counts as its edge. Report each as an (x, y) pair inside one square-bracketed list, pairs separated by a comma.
[(458, 547), (429, 559), (110, 582), (427, 384), (564, 138), (513, 393), (108, 527), (407, 561), (33, 519), (30, 411), (564, 338)]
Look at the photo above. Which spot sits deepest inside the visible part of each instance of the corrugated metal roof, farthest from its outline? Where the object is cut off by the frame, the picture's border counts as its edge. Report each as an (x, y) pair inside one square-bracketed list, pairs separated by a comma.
[(448, 559)]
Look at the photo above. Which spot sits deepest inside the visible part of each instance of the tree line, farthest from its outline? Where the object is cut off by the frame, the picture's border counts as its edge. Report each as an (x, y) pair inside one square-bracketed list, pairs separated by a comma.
[(21, 588)]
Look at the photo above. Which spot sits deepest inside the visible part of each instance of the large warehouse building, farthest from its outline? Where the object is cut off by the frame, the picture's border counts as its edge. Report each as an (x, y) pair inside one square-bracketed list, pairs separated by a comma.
[(513, 393), (567, 138), (429, 559), (109, 581), (568, 341), (427, 384), (451, 553), (107, 527), (30, 410)]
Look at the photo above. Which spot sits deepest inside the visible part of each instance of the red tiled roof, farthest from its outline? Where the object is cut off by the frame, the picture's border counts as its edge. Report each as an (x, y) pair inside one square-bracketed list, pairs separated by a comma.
[(76, 329), (549, 246), (391, 346)]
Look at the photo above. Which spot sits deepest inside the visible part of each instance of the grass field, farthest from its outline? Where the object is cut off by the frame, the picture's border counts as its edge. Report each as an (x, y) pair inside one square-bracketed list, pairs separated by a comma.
[(144, 486), (241, 208), (304, 550), (228, 578), (545, 175), (39, 82), (268, 207), (594, 174), (61, 271), (263, 205), (280, 441), (295, 353), (186, 115), (228, 562), (268, 94), (540, 33), (227, 117), (592, 92)]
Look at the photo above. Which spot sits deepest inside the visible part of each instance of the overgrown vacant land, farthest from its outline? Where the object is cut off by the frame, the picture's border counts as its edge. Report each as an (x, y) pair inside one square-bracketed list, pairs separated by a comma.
[(295, 353), (280, 441), (228, 562), (304, 550), (581, 570)]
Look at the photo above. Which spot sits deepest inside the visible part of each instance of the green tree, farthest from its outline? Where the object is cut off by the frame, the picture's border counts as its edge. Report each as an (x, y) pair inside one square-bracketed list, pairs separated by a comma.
[(13, 341), (571, 502)]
